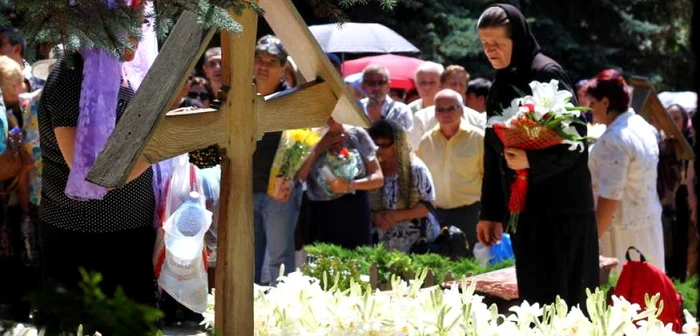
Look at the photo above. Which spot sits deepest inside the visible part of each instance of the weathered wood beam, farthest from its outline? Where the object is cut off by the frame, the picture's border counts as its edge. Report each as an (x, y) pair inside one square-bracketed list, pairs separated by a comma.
[(185, 132), (646, 103), (285, 21), (151, 102), (235, 253), (308, 105)]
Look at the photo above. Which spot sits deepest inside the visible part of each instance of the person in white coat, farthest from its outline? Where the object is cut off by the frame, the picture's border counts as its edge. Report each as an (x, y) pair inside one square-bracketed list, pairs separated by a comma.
[(623, 165)]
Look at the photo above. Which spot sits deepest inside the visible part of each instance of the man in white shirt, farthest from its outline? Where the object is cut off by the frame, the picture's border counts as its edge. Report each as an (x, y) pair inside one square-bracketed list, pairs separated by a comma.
[(378, 105), (427, 80), (454, 77)]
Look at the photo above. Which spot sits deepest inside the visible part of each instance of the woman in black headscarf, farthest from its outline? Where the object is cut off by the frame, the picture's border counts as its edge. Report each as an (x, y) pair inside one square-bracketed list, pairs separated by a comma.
[(556, 243)]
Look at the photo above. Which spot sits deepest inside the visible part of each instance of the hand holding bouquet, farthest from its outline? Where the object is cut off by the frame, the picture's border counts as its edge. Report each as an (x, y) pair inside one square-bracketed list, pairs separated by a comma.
[(295, 147), (542, 120), (339, 165)]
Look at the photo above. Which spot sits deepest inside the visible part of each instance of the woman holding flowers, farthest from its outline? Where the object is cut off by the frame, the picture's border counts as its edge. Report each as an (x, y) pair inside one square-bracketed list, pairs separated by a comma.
[(400, 213), (623, 164), (338, 174), (555, 245)]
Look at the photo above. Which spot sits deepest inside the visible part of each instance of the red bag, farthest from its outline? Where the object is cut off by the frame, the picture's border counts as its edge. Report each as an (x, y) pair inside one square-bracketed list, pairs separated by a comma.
[(639, 278)]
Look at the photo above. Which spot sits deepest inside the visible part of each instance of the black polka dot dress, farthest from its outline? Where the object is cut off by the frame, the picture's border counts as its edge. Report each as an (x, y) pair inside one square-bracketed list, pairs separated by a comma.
[(121, 209)]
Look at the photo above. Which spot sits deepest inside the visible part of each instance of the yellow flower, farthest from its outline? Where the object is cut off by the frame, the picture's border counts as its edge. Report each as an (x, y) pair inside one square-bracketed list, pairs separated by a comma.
[(312, 139), (298, 135)]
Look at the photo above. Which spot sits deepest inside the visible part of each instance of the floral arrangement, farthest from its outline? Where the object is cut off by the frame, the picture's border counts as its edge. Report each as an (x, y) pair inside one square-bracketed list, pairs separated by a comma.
[(340, 163), (300, 306), (294, 148), (538, 121)]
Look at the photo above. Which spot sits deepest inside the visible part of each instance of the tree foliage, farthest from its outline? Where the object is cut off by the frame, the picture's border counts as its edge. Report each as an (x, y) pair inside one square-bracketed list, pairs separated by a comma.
[(648, 38), (92, 24)]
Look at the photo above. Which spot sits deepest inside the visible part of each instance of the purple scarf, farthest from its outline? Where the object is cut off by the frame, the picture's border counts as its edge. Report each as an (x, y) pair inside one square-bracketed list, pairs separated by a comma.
[(102, 78)]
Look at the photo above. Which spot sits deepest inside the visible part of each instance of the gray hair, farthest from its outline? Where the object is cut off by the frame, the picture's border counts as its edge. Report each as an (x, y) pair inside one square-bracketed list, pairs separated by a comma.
[(428, 67), (211, 52), (375, 68)]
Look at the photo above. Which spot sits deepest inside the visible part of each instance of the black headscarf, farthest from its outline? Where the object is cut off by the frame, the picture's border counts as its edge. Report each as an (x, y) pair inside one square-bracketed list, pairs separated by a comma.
[(525, 46), (527, 63)]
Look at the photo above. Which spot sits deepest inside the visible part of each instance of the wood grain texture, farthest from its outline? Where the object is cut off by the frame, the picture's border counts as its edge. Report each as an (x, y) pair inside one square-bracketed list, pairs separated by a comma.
[(309, 105), (185, 132), (288, 25), (223, 235), (159, 89), (234, 292), (646, 103)]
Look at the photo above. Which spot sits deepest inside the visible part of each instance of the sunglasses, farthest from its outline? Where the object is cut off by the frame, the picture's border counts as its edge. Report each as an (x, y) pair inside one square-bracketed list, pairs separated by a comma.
[(375, 82), (199, 95), (446, 109)]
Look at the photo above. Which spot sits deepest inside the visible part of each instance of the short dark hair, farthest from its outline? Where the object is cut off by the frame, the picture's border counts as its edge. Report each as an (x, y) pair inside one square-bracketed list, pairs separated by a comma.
[(271, 45), (493, 17), (15, 37), (384, 129), (479, 86), (610, 84)]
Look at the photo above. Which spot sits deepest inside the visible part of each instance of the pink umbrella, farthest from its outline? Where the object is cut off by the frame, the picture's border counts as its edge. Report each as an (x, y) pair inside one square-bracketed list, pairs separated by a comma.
[(401, 68)]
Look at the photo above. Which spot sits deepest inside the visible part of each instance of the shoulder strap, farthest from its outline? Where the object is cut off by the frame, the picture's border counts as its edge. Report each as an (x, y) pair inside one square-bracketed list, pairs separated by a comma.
[(641, 256)]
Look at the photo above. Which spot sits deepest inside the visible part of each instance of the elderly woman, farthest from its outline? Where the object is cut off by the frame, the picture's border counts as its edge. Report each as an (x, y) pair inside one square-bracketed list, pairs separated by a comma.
[(623, 164), (556, 248), (399, 212), (338, 208)]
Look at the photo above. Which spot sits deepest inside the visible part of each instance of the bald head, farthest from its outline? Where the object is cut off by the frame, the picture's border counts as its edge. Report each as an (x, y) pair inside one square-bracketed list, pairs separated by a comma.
[(449, 94), (449, 109)]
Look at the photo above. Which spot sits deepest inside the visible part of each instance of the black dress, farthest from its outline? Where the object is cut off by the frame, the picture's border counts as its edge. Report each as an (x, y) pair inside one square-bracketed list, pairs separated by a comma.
[(113, 236), (556, 243)]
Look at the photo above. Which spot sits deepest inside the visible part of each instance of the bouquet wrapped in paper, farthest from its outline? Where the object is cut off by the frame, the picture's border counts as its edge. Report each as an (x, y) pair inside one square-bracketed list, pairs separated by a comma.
[(342, 163), (542, 120), (295, 147)]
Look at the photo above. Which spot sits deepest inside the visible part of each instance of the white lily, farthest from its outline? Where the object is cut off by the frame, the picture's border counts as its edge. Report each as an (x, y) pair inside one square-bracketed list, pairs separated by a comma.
[(691, 324), (514, 111), (547, 98)]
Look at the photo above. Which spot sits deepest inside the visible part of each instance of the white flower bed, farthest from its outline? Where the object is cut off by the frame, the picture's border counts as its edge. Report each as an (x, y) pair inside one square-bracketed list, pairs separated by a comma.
[(299, 306)]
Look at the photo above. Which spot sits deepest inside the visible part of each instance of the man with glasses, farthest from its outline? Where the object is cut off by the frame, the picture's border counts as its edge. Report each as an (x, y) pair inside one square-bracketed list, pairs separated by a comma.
[(454, 77), (427, 80), (378, 105), (454, 154)]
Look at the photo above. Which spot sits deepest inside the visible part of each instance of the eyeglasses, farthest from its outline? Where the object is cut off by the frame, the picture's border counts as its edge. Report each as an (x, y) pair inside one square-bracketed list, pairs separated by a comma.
[(372, 83), (198, 95), (446, 109)]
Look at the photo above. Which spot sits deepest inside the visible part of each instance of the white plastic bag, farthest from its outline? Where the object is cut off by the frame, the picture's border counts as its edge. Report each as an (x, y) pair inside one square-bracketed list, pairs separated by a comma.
[(179, 256), (183, 274)]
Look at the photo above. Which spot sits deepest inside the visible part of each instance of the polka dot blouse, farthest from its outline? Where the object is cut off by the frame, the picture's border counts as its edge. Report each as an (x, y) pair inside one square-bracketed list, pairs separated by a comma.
[(126, 208)]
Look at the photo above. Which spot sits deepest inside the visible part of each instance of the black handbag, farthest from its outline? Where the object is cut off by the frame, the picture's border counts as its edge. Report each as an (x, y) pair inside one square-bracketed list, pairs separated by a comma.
[(451, 242)]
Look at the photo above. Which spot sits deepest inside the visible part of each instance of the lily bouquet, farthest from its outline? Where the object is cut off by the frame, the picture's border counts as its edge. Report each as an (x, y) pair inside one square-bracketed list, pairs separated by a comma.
[(294, 148), (341, 163), (538, 121)]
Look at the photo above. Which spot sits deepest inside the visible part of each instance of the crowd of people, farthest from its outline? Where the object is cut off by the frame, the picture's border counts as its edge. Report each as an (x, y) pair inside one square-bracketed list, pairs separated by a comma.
[(428, 161)]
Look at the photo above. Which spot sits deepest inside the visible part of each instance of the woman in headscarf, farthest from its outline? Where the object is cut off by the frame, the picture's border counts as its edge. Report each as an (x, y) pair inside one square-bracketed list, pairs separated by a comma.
[(556, 243), (400, 213)]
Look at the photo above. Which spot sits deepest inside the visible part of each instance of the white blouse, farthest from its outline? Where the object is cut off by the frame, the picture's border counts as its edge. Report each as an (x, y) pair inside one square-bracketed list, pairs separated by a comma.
[(623, 165)]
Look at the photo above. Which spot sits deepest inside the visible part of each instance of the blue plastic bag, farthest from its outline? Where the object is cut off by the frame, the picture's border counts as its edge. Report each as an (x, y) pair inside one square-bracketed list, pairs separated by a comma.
[(502, 251)]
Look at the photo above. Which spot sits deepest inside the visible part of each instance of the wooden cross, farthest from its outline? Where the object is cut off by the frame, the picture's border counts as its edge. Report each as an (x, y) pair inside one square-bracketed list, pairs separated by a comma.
[(646, 103), (147, 132)]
